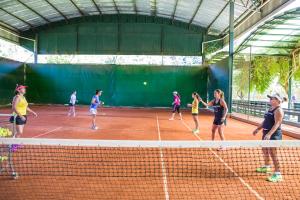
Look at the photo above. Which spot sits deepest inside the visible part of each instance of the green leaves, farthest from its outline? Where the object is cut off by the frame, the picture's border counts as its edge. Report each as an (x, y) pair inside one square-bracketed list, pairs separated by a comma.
[(263, 71)]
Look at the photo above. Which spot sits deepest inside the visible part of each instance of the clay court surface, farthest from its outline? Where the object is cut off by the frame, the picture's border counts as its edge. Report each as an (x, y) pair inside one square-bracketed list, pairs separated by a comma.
[(126, 124), (197, 174)]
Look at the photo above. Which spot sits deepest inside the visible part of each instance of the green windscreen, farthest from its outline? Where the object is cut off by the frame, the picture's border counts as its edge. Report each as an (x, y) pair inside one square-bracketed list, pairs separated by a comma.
[(122, 85), (11, 73), (218, 78), (125, 34)]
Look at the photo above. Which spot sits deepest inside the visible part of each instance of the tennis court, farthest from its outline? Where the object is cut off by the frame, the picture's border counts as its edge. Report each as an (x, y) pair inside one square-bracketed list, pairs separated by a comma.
[(118, 99), (139, 169)]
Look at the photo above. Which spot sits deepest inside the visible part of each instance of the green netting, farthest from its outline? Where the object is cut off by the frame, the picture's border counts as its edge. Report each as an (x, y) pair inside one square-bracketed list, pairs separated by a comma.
[(122, 85), (119, 35), (218, 78), (11, 73)]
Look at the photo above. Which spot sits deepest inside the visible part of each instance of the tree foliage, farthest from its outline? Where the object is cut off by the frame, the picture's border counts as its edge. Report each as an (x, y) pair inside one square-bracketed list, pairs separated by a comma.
[(263, 71)]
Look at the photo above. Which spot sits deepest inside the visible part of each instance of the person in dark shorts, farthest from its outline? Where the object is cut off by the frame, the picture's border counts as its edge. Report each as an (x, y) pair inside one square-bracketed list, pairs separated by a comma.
[(220, 111), (272, 131), (176, 106), (20, 108)]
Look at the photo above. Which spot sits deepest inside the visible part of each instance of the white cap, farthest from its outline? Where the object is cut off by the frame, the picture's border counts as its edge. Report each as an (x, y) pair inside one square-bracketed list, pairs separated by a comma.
[(277, 96), (175, 92)]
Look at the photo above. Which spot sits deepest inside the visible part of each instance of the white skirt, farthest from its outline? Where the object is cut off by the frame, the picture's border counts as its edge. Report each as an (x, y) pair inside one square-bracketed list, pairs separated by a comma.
[(93, 111)]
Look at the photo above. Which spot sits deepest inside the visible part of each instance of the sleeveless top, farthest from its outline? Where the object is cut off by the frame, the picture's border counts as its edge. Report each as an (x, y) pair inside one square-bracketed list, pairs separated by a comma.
[(22, 105), (195, 106), (269, 120), (176, 101), (218, 109), (97, 102)]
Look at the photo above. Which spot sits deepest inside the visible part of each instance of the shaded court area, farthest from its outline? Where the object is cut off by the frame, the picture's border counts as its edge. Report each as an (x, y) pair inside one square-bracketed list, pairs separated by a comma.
[(140, 166)]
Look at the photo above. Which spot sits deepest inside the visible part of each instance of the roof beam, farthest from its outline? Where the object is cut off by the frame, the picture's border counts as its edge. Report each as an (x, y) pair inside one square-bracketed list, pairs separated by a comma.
[(174, 11), (274, 34), (272, 47), (279, 28), (243, 4), (56, 9), (18, 18), (272, 23), (275, 41), (116, 7), (97, 7), (215, 19), (9, 27), (35, 12), (78, 9), (195, 13)]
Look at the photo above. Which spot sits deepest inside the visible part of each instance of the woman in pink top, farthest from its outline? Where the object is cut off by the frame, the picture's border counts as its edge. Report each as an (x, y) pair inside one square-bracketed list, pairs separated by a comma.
[(176, 105)]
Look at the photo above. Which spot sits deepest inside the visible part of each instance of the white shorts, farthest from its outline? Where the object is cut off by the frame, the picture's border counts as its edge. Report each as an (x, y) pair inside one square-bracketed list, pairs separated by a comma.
[(93, 111)]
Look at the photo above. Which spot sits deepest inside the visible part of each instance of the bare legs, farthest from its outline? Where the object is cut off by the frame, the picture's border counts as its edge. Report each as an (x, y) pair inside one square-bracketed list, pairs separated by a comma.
[(94, 126), (220, 129), (271, 153), (19, 129), (173, 116), (72, 111), (196, 120)]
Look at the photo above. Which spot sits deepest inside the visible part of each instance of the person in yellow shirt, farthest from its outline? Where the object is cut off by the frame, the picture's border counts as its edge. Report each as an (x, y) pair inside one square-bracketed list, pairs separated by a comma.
[(195, 111), (20, 108)]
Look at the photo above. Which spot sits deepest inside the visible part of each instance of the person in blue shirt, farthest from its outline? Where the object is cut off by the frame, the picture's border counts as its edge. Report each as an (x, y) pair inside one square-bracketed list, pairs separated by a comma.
[(272, 131), (95, 103)]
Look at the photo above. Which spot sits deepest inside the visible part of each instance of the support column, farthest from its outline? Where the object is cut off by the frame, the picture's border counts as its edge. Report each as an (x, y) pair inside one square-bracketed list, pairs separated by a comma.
[(231, 49), (290, 84), (35, 49)]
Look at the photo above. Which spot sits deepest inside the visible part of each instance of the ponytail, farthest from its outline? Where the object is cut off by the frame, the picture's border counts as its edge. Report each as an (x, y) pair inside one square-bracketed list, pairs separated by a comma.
[(220, 92), (197, 95), (16, 91)]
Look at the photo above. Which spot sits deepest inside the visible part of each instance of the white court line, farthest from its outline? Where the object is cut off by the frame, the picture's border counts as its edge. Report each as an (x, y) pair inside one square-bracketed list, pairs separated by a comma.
[(164, 173), (48, 132), (258, 196)]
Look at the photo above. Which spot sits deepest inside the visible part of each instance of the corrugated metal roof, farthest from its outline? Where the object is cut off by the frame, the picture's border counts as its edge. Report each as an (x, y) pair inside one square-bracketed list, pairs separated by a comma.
[(279, 36), (25, 14)]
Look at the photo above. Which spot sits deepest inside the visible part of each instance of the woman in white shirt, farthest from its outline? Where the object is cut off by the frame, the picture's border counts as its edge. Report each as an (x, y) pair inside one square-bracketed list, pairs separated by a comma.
[(72, 103)]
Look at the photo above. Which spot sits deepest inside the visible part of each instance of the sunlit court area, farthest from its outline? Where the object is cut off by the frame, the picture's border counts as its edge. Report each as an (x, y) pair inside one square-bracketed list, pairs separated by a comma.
[(149, 99)]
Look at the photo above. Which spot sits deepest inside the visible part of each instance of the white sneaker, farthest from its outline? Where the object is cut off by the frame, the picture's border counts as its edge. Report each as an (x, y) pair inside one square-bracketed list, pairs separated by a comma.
[(95, 127), (171, 119), (196, 131)]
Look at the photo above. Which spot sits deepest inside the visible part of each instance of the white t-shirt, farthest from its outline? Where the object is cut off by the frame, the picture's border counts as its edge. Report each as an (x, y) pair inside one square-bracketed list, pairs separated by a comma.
[(73, 99)]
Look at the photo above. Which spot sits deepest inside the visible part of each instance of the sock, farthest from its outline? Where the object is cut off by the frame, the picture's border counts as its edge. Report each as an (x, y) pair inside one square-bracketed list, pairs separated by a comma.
[(277, 173), (267, 166)]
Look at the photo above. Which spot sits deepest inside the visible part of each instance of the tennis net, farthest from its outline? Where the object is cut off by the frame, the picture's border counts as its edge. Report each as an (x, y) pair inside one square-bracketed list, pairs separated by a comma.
[(113, 169)]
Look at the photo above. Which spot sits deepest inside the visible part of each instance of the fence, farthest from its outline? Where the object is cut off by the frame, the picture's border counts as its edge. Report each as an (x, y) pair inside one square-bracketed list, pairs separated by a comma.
[(258, 109)]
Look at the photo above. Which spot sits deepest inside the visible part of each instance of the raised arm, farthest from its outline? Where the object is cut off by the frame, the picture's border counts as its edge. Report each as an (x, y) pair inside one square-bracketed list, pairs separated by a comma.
[(207, 104)]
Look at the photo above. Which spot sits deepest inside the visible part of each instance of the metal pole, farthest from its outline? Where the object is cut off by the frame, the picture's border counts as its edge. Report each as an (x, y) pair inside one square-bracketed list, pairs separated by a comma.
[(35, 49), (231, 49), (249, 82), (290, 84)]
